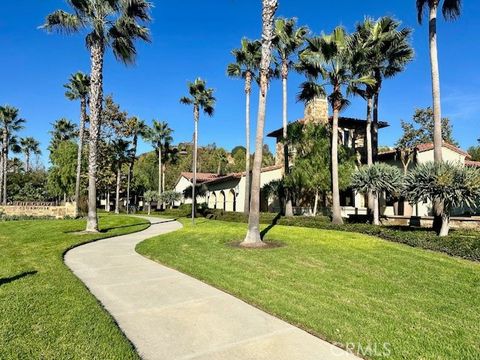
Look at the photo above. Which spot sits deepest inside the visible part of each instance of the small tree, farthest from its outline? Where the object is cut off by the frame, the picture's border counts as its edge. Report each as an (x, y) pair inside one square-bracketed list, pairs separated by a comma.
[(149, 197), (451, 184), (376, 179), (170, 197)]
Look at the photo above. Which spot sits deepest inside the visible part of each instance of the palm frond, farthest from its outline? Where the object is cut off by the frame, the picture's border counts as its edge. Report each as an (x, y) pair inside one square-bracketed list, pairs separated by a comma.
[(62, 22)]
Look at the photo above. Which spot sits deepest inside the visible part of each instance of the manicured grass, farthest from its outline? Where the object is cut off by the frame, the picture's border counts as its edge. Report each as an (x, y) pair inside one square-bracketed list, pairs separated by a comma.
[(46, 312), (343, 287)]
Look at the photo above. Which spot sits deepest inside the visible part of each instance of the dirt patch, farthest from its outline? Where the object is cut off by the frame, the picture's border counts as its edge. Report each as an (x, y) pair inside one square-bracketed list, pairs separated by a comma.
[(265, 245)]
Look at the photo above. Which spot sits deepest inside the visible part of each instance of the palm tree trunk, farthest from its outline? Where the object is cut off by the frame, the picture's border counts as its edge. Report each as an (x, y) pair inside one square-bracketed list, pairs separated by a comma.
[(5, 170), (438, 223), (117, 191), (1, 174), (96, 98), (248, 90), (159, 171), (27, 161), (375, 129), (253, 237), (286, 167), (368, 140), (315, 204), (164, 170), (83, 118), (376, 210), (435, 73), (196, 116), (128, 187), (336, 210), (445, 225)]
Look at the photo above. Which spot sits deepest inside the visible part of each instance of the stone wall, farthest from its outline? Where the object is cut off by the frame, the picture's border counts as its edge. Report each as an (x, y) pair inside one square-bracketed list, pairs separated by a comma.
[(39, 210)]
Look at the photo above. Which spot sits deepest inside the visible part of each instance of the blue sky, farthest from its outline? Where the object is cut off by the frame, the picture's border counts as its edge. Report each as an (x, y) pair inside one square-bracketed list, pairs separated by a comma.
[(192, 38)]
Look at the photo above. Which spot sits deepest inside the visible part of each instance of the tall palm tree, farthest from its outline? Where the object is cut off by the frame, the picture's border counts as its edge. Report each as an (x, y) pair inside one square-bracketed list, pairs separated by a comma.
[(78, 88), (29, 146), (160, 135), (10, 123), (134, 128), (451, 11), (328, 57), (63, 130), (201, 98), (269, 8), (114, 23), (288, 41), (121, 154), (385, 50), (246, 65)]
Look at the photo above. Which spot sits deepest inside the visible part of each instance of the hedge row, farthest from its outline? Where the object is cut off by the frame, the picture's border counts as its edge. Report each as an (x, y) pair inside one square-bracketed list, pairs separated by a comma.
[(461, 243)]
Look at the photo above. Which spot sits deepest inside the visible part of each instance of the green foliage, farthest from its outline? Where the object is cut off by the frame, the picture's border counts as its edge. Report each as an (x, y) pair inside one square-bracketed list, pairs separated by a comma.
[(311, 169), (474, 152), (169, 197), (62, 174), (63, 130), (145, 173), (378, 178), (453, 184), (421, 130), (28, 186), (150, 196)]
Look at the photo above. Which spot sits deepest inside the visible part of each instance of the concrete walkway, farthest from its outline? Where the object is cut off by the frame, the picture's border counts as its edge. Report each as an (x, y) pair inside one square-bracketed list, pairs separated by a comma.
[(168, 315)]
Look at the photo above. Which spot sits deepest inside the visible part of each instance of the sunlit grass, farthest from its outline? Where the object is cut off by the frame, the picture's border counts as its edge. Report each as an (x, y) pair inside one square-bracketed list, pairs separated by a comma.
[(344, 287), (46, 312)]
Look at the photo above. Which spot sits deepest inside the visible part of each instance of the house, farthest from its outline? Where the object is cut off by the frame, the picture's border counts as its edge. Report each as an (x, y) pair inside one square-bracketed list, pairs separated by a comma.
[(352, 134), (421, 154), (228, 192)]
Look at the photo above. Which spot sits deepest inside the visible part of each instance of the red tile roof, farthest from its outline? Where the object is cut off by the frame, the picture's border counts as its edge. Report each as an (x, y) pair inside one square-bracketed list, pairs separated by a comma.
[(472, 163), (201, 177), (429, 146)]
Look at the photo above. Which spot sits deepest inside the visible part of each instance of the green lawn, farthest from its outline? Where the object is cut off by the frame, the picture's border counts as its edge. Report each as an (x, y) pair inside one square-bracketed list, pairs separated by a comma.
[(347, 288), (45, 311)]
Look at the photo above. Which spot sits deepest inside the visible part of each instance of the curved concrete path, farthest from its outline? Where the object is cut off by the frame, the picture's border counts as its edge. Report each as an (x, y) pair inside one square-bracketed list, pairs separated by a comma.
[(168, 315)]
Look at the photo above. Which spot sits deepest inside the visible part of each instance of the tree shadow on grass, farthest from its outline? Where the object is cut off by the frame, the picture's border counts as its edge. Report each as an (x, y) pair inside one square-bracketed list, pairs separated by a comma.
[(265, 231), (8, 280), (104, 230)]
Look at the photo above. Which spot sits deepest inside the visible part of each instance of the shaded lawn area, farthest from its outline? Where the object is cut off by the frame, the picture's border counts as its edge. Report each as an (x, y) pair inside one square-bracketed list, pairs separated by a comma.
[(45, 311), (343, 287)]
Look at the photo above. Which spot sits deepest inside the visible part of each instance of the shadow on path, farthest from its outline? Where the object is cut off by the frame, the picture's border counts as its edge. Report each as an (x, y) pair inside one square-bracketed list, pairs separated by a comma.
[(8, 280)]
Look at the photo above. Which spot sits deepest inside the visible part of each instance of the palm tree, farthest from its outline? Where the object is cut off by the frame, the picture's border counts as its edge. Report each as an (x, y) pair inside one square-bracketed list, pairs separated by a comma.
[(201, 98), (134, 128), (328, 57), (160, 135), (10, 123), (29, 145), (288, 41), (253, 237), (63, 130), (382, 51), (78, 88), (114, 23), (451, 11), (121, 154), (247, 62)]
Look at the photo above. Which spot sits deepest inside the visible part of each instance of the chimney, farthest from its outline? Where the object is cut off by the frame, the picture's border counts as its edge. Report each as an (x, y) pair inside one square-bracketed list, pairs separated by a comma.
[(316, 111)]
